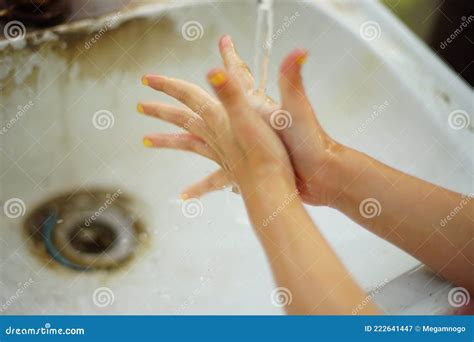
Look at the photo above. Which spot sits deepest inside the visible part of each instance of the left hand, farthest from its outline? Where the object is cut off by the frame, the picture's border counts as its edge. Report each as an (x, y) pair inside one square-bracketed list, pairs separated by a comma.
[(232, 131)]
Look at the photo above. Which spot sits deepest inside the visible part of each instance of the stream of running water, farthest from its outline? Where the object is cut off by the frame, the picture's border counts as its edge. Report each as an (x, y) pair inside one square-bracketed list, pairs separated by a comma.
[(263, 43)]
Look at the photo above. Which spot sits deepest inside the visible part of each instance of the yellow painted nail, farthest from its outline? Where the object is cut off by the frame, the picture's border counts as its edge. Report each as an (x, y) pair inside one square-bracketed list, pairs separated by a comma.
[(184, 197), (145, 81), (301, 59), (140, 108), (147, 142), (217, 79)]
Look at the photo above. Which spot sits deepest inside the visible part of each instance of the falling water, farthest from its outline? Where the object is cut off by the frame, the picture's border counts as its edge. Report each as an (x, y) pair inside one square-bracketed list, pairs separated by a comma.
[(263, 42)]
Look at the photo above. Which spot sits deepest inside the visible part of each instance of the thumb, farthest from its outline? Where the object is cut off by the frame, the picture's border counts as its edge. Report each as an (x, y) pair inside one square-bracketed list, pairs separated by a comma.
[(292, 90)]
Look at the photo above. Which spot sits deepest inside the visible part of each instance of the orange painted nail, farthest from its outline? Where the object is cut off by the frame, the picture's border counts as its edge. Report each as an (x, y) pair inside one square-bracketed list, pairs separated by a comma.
[(147, 142), (301, 59), (140, 108), (145, 81), (217, 79)]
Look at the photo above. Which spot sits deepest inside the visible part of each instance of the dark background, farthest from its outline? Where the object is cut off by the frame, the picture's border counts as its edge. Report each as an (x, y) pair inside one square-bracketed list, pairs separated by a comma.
[(434, 21)]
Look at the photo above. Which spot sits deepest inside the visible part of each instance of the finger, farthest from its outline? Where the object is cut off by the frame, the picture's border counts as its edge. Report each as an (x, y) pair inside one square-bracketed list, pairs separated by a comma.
[(216, 181), (194, 97), (245, 125), (290, 80), (293, 96), (183, 142), (234, 64), (181, 117)]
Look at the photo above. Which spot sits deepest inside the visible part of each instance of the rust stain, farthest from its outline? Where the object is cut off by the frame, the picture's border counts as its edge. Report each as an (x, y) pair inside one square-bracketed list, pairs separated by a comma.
[(126, 47), (33, 233)]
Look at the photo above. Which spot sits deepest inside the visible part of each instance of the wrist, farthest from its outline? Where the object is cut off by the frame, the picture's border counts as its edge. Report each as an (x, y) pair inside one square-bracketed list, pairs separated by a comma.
[(275, 206), (338, 173), (268, 188), (266, 178)]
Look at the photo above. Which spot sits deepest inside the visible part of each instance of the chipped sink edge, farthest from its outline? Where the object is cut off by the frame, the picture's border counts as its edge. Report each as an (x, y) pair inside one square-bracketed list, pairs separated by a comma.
[(111, 20), (353, 15), (411, 60)]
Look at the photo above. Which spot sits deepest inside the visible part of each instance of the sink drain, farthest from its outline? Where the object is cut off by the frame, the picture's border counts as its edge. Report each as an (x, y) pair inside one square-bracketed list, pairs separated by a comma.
[(87, 230), (94, 239)]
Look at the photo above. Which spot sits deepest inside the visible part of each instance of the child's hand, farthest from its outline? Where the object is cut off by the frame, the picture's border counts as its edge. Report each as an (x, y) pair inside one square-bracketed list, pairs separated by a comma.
[(306, 142), (230, 132)]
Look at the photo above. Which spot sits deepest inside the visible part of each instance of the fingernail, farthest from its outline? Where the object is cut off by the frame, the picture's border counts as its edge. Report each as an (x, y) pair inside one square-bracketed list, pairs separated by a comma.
[(140, 108), (184, 197), (301, 59), (217, 79), (147, 142), (226, 41), (144, 81)]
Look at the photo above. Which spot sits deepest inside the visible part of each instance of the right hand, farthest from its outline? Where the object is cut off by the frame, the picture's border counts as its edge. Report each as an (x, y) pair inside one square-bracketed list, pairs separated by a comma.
[(310, 149)]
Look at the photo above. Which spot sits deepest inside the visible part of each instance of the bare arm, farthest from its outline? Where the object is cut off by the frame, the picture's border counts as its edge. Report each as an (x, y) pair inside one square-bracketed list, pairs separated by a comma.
[(302, 261), (413, 213), (433, 224)]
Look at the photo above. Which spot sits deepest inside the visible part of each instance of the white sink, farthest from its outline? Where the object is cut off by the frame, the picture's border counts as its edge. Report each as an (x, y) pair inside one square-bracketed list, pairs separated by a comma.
[(211, 264)]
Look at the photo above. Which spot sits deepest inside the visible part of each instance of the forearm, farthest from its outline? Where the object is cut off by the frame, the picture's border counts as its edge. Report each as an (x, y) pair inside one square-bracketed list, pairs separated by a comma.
[(301, 260), (431, 223)]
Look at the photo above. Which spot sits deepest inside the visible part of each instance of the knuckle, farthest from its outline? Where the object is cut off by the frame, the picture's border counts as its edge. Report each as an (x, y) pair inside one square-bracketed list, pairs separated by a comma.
[(181, 118), (231, 96), (182, 94), (242, 65)]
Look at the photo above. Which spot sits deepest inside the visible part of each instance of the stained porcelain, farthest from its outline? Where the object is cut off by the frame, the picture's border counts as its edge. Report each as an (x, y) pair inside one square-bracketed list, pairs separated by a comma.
[(387, 96)]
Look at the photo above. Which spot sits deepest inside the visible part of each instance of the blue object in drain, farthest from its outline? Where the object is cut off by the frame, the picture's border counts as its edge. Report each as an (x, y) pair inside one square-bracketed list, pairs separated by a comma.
[(48, 227)]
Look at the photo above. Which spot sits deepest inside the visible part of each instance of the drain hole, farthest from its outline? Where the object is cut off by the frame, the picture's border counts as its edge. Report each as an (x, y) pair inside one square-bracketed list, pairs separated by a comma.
[(95, 239), (87, 230)]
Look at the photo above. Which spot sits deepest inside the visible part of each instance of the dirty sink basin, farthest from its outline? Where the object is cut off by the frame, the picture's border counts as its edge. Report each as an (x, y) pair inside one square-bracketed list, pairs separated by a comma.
[(68, 99)]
